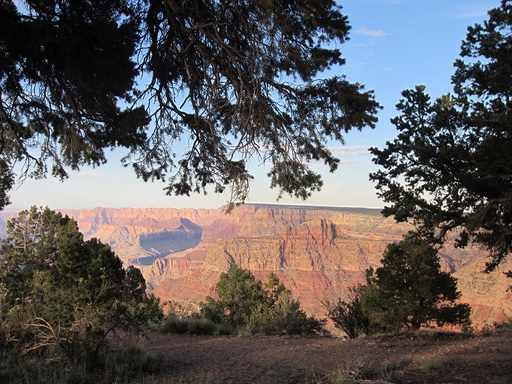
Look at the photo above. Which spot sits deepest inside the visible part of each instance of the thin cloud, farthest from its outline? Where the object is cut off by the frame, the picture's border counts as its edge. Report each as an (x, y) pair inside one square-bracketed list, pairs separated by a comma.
[(358, 65), (472, 12), (371, 32), (345, 155), (393, 2), (319, 165), (347, 162), (350, 151)]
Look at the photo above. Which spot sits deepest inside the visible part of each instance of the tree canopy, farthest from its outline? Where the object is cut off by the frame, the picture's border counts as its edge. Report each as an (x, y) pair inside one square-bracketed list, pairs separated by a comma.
[(450, 167), (231, 80), (410, 290), (61, 293)]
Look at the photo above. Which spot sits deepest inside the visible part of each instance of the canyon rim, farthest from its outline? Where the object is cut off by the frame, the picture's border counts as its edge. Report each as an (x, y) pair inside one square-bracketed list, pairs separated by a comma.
[(317, 252)]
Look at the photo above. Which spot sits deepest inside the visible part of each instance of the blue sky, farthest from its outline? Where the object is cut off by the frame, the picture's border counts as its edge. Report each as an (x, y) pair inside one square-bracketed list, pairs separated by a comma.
[(394, 45)]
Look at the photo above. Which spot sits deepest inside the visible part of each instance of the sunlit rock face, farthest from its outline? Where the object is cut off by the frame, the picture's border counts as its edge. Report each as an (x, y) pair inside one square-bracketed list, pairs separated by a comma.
[(318, 253)]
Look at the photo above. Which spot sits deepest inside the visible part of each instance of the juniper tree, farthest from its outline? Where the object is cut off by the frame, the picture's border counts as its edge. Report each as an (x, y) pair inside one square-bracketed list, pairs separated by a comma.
[(450, 167), (61, 293), (409, 290), (227, 80)]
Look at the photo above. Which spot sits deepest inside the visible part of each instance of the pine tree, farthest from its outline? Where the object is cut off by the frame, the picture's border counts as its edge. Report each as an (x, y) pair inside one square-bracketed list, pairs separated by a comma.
[(410, 290), (63, 293), (233, 79), (450, 166)]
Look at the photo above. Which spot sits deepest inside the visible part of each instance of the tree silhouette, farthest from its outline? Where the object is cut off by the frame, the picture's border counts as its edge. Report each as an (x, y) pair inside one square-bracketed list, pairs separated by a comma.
[(63, 294), (229, 80), (450, 166), (410, 290)]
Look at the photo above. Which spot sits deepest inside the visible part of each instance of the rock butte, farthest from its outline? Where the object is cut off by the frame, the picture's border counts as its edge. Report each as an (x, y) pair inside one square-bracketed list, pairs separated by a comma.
[(317, 252)]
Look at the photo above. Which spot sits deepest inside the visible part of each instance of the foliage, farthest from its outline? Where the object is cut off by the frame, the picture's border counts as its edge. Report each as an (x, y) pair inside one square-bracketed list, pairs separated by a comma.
[(349, 316), (409, 290), (232, 79), (180, 310), (193, 326), (17, 368), (239, 293), (121, 365), (63, 295), (129, 362), (450, 166), (182, 319), (246, 304)]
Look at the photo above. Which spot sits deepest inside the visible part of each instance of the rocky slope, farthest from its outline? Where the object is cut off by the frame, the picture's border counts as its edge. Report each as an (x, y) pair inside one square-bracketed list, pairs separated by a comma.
[(317, 252)]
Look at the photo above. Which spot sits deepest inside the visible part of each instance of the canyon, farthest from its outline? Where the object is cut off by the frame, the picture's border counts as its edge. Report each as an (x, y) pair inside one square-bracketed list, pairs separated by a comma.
[(317, 252)]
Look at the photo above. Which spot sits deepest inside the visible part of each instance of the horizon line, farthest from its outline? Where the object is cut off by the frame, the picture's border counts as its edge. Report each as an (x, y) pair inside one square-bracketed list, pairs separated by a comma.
[(299, 205)]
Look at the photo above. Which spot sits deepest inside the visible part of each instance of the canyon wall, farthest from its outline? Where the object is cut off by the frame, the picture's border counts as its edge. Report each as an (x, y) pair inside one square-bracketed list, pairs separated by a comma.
[(317, 252)]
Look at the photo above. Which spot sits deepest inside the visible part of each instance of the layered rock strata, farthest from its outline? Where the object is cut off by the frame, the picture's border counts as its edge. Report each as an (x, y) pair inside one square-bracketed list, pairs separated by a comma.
[(317, 252)]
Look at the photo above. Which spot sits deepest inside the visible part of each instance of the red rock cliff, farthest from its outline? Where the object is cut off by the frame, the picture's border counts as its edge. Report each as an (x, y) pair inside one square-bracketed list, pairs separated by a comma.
[(317, 252)]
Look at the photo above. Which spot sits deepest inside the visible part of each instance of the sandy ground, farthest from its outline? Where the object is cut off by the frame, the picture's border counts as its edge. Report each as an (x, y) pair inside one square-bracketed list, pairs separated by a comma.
[(445, 358)]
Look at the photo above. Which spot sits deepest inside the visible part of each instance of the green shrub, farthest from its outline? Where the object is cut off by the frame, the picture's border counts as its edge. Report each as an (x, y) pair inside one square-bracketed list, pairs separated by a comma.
[(248, 306), (285, 317), (239, 294), (409, 290), (349, 315), (201, 327), (130, 362), (172, 324), (505, 326), (19, 368)]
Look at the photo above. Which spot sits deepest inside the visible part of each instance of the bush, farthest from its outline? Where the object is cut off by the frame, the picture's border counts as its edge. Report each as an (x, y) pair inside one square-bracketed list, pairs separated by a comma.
[(129, 362), (201, 327), (172, 324), (504, 326), (245, 304), (349, 315), (283, 316), (193, 326), (17, 367), (409, 290)]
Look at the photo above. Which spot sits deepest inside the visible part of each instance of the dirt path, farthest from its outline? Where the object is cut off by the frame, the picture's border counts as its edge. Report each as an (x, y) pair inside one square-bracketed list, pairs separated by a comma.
[(445, 359)]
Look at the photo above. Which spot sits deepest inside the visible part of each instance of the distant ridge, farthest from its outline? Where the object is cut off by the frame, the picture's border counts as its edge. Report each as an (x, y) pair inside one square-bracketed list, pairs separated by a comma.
[(9, 212), (315, 207)]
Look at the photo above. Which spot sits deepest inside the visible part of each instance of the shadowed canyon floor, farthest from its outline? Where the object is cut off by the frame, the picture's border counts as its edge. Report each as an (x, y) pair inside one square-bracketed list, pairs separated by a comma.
[(445, 358)]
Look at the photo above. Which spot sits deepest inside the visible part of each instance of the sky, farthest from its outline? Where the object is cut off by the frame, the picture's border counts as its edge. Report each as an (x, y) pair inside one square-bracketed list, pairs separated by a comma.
[(394, 45)]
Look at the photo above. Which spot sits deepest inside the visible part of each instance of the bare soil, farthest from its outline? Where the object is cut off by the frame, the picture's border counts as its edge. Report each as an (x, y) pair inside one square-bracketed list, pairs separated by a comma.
[(433, 358)]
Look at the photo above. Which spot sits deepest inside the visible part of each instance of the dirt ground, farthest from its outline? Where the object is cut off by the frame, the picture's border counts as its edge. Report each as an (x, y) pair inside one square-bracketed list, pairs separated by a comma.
[(443, 358)]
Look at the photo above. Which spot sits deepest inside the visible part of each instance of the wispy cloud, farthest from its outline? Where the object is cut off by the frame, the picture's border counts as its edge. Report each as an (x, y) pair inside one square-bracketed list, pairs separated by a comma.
[(345, 155), (350, 151), (347, 162), (393, 2), (371, 32), (471, 12)]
